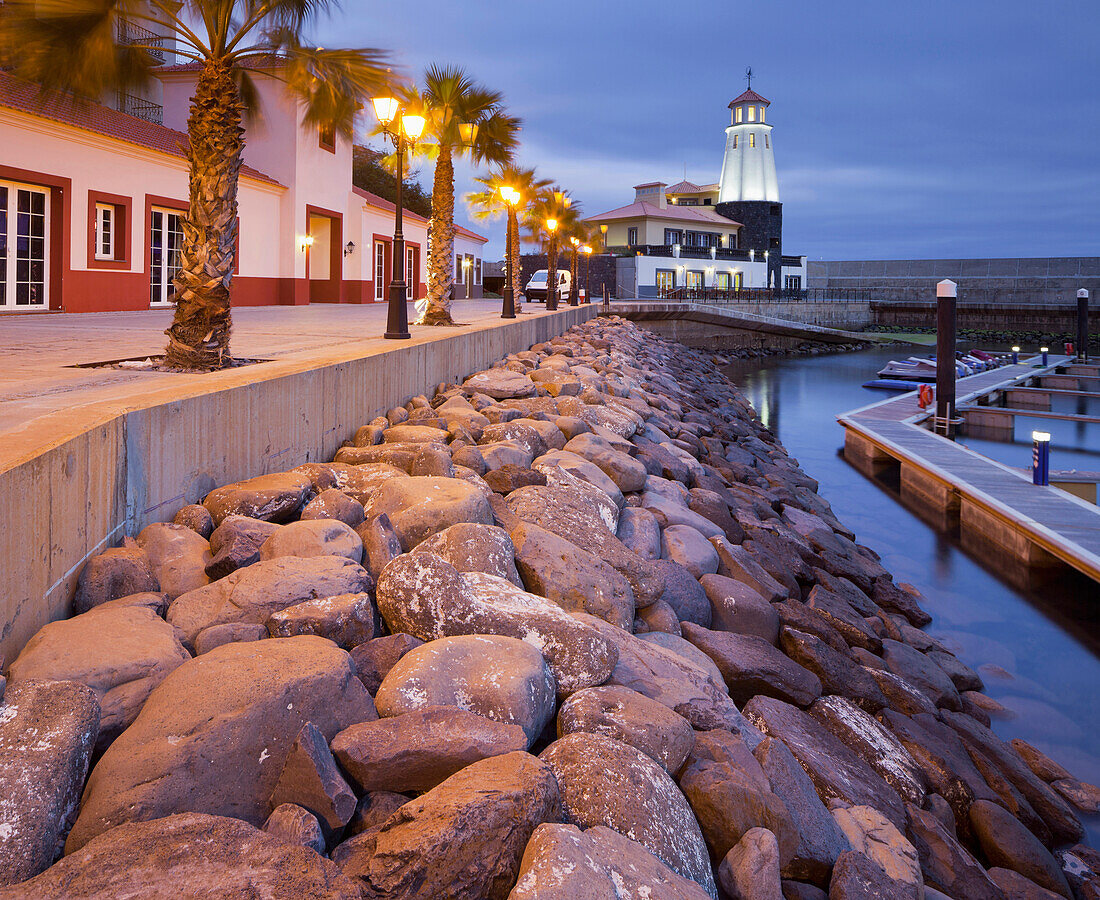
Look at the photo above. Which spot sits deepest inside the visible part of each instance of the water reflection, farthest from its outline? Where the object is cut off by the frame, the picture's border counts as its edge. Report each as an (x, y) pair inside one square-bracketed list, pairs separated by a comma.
[(1038, 649)]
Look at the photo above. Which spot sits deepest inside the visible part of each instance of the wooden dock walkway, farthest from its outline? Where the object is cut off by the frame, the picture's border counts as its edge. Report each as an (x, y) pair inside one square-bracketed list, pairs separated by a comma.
[(994, 504)]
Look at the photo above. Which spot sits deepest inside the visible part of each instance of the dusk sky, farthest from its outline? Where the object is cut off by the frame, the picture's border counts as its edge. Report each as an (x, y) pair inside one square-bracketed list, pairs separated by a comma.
[(902, 130)]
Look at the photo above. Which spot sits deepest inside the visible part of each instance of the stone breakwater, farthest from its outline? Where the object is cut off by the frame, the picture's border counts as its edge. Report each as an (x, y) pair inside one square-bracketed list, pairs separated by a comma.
[(576, 628)]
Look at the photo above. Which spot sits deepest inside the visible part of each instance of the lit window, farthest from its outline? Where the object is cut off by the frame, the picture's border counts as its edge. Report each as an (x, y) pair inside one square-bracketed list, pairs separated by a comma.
[(762, 108), (737, 115), (752, 113), (104, 231), (632, 236), (752, 139)]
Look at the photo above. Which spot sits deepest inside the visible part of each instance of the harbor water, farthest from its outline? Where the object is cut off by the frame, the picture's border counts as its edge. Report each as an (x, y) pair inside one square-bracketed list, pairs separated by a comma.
[(1037, 649)]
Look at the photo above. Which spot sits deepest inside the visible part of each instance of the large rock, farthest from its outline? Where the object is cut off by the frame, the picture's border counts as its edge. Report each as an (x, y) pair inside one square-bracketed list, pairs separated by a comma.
[(752, 666), (500, 678), (572, 578), (178, 555), (311, 781), (360, 482), (374, 659), (475, 548), (945, 863), (252, 594), (630, 717), (1008, 844), (820, 840), (607, 782), (314, 537), (500, 384), (639, 531), (839, 674), (118, 572), (236, 709), (684, 649), (120, 652), (462, 840), (687, 546), (422, 506), (334, 504), (627, 473), (581, 468), (296, 825), (346, 619), (837, 772), (856, 877), (194, 856), (421, 594), (236, 543), (517, 433), (570, 513), (273, 498), (561, 861), (736, 607), (730, 795), (737, 563), (916, 668), (684, 594), (1015, 887), (417, 750), (750, 870), (671, 679), (876, 837), (47, 732)]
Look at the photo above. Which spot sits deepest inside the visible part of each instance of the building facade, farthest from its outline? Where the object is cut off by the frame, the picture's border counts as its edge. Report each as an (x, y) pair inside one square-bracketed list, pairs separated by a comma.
[(682, 239), (93, 199)]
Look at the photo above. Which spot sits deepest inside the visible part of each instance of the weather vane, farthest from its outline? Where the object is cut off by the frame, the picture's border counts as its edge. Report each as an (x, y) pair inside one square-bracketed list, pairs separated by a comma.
[(748, 76)]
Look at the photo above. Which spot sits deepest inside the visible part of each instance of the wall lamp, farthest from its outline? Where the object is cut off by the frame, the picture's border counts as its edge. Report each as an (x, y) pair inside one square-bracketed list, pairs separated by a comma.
[(349, 248), (305, 242)]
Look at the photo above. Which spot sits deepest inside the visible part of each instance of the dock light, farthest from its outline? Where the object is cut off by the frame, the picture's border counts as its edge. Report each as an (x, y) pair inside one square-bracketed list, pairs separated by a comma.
[(1015, 355), (1040, 458), (1044, 351)]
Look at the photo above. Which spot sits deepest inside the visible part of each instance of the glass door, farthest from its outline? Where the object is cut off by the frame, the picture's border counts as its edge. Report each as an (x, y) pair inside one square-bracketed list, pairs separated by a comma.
[(410, 273), (24, 247), (165, 245)]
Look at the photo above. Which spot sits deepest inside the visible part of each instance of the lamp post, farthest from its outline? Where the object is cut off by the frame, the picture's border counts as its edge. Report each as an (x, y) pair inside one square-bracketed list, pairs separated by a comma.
[(587, 251), (510, 196), (573, 271), (552, 264), (409, 129)]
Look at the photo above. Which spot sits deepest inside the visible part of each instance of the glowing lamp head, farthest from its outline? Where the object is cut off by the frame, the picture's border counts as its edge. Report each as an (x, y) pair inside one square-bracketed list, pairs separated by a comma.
[(574, 241), (1015, 349), (558, 195), (1040, 437), (468, 132), (413, 126), (551, 224), (603, 229), (306, 241), (586, 249), (1044, 349), (1083, 294), (567, 201), (385, 109)]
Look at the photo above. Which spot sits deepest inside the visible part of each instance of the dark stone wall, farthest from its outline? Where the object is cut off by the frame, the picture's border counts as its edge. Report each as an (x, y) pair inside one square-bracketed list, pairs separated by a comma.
[(601, 270), (763, 230)]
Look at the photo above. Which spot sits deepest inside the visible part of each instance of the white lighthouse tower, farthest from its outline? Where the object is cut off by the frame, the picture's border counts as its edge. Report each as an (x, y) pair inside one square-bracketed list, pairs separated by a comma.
[(748, 170)]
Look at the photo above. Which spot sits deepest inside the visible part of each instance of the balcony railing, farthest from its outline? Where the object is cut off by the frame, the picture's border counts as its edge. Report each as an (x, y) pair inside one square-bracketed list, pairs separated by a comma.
[(685, 252), (140, 107), (130, 33), (730, 296)]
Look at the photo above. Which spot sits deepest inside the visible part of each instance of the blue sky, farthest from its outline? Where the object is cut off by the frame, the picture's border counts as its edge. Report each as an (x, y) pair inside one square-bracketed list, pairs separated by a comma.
[(931, 129)]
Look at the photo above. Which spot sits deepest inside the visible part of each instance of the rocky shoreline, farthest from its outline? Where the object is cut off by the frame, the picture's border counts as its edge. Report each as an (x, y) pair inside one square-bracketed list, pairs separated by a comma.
[(576, 628)]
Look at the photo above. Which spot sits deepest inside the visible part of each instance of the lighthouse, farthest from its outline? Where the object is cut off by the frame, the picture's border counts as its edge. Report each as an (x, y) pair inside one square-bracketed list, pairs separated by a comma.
[(748, 191)]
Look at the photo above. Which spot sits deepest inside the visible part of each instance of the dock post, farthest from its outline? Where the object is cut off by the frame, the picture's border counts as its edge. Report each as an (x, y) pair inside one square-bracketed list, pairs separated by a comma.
[(1040, 458), (1015, 356), (946, 292), (1082, 325)]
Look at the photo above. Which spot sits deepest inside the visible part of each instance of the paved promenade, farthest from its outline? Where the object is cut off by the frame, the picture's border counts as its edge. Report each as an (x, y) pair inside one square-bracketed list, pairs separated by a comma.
[(39, 353)]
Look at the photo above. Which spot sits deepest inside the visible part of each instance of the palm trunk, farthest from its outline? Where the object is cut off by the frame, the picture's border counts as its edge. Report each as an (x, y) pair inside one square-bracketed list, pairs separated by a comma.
[(513, 253), (199, 335), (552, 272), (574, 292), (441, 243)]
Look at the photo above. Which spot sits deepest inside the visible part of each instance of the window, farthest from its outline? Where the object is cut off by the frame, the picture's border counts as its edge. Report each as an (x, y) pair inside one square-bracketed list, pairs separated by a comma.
[(673, 236), (723, 281), (762, 108), (379, 270), (735, 142), (792, 282), (104, 231), (738, 280), (694, 279), (458, 267), (768, 141), (752, 139), (666, 281), (326, 138), (632, 236), (165, 245), (752, 113), (477, 270), (24, 250), (737, 115), (410, 273)]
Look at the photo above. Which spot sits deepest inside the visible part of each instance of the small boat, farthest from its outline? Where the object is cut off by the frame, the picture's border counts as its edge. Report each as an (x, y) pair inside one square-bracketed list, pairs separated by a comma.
[(893, 384), (912, 369)]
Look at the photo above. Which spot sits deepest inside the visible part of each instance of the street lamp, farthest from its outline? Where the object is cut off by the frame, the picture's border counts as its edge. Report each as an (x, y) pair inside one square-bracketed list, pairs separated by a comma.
[(603, 232), (410, 129), (511, 198), (552, 261), (587, 251)]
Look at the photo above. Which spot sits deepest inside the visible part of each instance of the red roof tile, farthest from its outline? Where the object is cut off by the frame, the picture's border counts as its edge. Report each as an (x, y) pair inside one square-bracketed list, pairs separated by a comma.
[(686, 213), (750, 96), (683, 187), (29, 98)]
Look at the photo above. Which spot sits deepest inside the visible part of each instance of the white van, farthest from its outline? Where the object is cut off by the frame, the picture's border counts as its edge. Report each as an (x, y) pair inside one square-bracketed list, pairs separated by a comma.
[(536, 287)]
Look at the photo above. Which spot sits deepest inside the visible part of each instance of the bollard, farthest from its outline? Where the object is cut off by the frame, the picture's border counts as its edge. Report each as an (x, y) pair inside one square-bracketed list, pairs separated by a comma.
[(1082, 325), (945, 354), (1015, 355), (1046, 354), (1040, 458)]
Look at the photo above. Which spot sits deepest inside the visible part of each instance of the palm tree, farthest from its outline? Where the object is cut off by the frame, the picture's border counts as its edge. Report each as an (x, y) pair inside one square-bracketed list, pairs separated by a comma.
[(463, 116), (73, 46), (549, 216), (487, 203)]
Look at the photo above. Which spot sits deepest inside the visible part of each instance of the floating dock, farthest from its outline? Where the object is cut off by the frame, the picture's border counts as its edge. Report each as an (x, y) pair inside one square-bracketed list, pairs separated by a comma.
[(996, 508)]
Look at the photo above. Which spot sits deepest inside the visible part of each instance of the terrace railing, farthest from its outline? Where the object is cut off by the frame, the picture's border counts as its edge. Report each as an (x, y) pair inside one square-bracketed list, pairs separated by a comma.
[(131, 33), (731, 296), (140, 107)]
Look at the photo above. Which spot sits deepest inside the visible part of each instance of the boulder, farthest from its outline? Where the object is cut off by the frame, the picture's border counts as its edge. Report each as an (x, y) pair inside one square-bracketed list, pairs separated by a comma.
[(639, 531), (374, 659), (417, 750), (836, 772), (561, 861), (1007, 844), (671, 679), (750, 870), (346, 619), (462, 840), (373, 810), (236, 543), (627, 473), (657, 617), (737, 563), (235, 709), (475, 548), (710, 505), (900, 694), (855, 877), (422, 594), (311, 781), (838, 672), (607, 782), (233, 632), (752, 666), (684, 594), (433, 460), (627, 716), (1042, 765), (314, 537), (500, 678), (851, 626), (273, 498), (360, 481), (47, 733), (334, 504), (510, 477), (820, 840), (508, 455), (1015, 887), (295, 825), (730, 795), (196, 517), (178, 555), (500, 384), (422, 506), (670, 508), (946, 865), (736, 607), (876, 837), (121, 653), (686, 650), (572, 578), (381, 545), (517, 433), (252, 594), (685, 545), (580, 468), (920, 671), (118, 572), (414, 434)]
